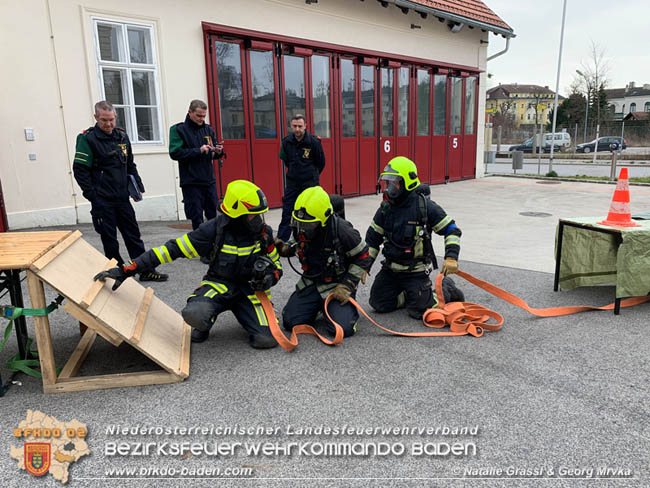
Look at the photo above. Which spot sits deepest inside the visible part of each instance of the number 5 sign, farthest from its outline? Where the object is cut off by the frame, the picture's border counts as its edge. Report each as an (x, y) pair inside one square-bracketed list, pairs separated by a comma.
[(454, 142)]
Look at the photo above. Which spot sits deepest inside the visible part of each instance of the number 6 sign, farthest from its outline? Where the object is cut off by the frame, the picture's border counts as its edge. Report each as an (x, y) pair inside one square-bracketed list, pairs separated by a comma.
[(387, 146)]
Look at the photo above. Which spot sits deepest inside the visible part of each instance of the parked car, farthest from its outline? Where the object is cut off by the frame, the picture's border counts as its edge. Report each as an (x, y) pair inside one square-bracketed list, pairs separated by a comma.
[(603, 145), (527, 147), (561, 138)]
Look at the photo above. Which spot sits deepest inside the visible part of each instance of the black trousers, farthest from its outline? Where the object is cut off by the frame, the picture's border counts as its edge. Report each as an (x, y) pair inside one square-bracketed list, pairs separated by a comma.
[(291, 193), (303, 306), (213, 297), (108, 217), (198, 199), (392, 290)]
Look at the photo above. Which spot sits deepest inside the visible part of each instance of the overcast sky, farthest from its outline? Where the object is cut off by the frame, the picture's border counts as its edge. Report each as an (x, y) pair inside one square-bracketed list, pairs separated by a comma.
[(618, 26)]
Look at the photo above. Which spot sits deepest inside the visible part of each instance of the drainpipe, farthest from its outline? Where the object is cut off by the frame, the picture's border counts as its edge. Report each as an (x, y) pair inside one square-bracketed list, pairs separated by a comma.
[(496, 55), (60, 100)]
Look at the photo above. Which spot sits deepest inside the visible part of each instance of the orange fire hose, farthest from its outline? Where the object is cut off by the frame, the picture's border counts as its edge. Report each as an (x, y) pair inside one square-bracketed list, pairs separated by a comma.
[(462, 317)]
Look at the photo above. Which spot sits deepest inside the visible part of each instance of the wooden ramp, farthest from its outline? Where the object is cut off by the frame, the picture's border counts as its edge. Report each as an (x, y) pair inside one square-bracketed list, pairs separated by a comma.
[(131, 314)]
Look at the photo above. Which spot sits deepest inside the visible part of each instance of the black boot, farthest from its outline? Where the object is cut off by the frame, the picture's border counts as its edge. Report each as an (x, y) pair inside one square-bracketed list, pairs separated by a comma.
[(262, 341), (451, 292), (200, 335)]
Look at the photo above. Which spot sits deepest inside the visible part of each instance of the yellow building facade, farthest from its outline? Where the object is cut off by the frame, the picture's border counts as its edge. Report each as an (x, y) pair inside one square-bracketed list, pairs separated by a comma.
[(527, 104)]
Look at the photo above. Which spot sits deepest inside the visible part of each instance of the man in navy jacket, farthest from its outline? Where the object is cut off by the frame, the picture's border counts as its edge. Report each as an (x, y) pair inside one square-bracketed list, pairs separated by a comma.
[(194, 145)]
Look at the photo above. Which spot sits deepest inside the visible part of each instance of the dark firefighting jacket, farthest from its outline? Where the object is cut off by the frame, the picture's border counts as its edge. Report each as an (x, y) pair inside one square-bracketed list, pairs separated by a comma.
[(232, 251), (185, 141), (304, 160), (340, 256), (102, 165), (405, 233)]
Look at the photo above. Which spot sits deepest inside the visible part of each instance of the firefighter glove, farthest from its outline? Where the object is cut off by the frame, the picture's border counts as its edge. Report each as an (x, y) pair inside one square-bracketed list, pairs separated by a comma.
[(119, 274), (450, 266), (342, 293), (284, 249)]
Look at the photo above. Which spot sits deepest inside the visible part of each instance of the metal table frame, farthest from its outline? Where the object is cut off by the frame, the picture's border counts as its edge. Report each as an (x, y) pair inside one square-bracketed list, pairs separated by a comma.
[(10, 280), (558, 258)]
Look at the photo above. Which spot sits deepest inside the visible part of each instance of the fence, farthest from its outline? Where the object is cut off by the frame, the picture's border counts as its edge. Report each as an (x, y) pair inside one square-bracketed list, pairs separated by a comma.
[(636, 132)]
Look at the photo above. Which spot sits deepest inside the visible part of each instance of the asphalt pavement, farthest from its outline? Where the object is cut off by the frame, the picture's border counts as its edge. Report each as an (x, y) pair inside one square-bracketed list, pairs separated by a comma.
[(543, 402)]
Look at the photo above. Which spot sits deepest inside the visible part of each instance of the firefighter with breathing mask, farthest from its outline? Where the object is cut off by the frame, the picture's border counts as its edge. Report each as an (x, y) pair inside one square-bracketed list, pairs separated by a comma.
[(403, 225), (243, 259)]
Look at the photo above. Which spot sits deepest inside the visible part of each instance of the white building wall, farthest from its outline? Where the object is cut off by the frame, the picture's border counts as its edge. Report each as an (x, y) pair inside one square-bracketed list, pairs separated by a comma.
[(51, 84), (620, 103)]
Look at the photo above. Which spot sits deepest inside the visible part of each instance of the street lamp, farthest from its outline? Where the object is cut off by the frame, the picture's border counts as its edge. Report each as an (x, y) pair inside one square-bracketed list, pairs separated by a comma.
[(557, 88), (584, 137)]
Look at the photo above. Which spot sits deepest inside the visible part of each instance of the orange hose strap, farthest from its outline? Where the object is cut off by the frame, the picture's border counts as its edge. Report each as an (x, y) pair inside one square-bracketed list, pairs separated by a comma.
[(462, 317)]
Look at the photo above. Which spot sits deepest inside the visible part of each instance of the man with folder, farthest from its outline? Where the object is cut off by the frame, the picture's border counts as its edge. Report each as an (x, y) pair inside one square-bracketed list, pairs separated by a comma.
[(104, 169)]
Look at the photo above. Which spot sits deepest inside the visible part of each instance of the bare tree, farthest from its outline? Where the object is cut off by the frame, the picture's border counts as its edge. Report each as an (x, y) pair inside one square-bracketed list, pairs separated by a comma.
[(539, 95), (594, 74)]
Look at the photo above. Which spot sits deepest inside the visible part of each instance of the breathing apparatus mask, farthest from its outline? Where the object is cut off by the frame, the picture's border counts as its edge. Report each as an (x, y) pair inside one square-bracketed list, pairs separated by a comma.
[(392, 186), (253, 223)]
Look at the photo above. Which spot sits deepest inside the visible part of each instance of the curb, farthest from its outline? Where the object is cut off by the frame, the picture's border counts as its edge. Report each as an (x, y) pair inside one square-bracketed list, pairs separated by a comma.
[(569, 180)]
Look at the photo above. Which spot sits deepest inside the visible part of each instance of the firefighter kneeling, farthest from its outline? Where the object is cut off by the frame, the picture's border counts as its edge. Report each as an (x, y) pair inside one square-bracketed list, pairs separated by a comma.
[(403, 224), (334, 259), (242, 257)]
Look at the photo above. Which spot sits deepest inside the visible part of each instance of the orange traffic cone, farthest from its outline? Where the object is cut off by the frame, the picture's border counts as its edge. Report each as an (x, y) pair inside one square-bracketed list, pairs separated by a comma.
[(619, 211)]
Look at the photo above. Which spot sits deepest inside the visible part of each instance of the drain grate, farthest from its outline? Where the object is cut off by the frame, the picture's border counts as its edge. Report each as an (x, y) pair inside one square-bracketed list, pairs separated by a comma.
[(548, 182), (535, 214)]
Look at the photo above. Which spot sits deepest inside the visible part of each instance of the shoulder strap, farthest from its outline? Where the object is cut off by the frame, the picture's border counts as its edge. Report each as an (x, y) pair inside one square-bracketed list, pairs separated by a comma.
[(336, 241), (219, 236), (422, 211)]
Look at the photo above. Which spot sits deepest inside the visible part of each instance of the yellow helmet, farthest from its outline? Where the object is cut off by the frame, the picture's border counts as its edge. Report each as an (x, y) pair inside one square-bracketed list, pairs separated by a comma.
[(243, 198), (313, 205), (402, 167)]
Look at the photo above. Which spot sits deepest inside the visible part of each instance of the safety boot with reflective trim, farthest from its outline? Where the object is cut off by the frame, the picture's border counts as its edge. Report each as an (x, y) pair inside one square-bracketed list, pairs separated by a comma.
[(153, 276)]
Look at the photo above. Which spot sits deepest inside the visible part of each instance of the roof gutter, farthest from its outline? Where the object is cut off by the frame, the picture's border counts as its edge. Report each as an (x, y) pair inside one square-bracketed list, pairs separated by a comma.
[(496, 55), (507, 33)]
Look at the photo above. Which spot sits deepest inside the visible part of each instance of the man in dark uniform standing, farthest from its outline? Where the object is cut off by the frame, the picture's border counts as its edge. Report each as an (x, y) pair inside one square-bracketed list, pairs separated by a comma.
[(194, 145), (302, 154), (103, 167)]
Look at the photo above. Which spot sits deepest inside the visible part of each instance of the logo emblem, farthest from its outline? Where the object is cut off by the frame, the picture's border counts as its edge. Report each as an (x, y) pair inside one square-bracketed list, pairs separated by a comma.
[(37, 457), (123, 146), (305, 152)]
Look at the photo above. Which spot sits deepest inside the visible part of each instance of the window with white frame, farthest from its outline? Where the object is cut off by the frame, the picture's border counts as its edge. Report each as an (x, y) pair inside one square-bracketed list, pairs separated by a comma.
[(128, 76)]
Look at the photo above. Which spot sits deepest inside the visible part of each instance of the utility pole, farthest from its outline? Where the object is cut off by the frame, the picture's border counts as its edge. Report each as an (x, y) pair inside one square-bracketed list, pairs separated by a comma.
[(557, 87)]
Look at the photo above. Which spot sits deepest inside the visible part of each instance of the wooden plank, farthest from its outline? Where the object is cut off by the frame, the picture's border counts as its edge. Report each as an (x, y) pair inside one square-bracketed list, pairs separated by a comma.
[(89, 321), (42, 331), (72, 272), (184, 367), (141, 316), (95, 287), (161, 336), (53, 253), (78, 356), (112, 381), (19, 249)]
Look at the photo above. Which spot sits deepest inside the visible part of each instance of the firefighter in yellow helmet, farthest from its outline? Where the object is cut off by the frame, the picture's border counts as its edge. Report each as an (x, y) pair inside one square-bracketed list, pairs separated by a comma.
[(334, 258), (403, 225), (243, 260)]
